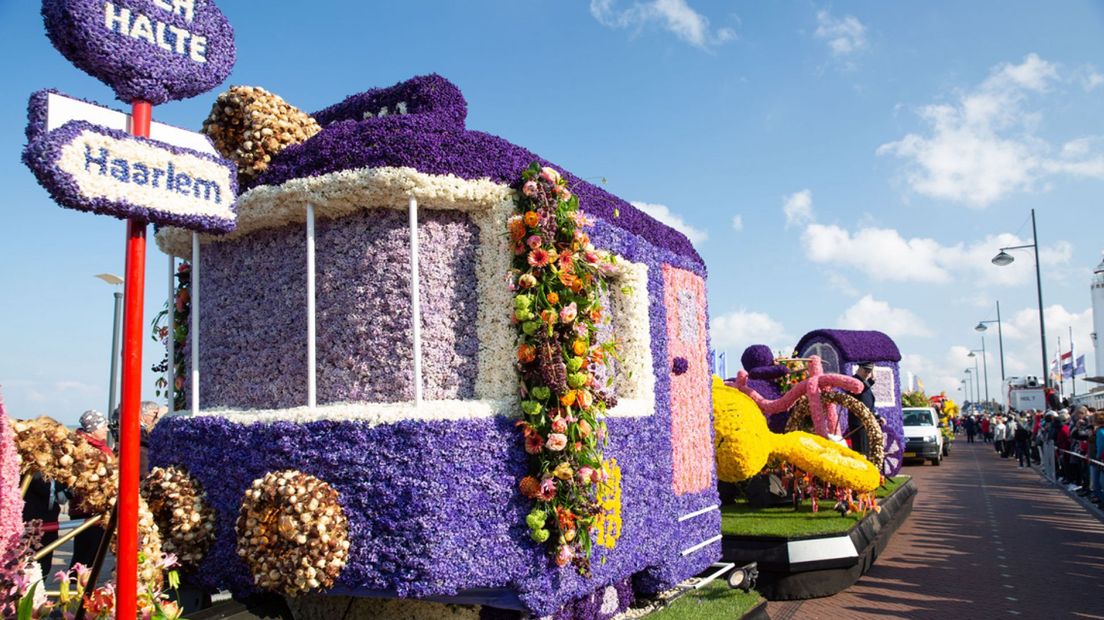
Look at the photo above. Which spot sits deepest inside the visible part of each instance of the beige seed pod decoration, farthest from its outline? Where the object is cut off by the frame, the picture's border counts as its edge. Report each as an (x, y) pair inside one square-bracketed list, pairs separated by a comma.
[(49, 449), (292, 533), (249, 126), (185, 519)]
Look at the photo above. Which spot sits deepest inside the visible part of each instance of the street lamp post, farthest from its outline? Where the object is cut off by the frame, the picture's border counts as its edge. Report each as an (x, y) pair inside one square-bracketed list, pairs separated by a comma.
[(973, 392), (984, 366), (1003, 258), (981, 327), (116, 324)]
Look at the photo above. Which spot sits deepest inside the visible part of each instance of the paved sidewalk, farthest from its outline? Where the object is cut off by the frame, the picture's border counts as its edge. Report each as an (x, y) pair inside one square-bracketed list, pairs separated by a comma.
[(986, 539)]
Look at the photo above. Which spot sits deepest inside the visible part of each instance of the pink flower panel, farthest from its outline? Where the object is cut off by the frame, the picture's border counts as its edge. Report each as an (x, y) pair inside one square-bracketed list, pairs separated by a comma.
[(692, 445)]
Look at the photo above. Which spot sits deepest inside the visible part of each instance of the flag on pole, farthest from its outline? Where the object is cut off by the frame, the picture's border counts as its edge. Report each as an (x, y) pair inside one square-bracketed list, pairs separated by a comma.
[(1079, 367), (920, 383)]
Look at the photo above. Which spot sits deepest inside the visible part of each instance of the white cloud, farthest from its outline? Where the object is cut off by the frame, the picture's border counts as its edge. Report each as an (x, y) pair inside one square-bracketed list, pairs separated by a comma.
[(738, 223), (735, 331), (981, 148), (675, 16), (884, 254), (798, 208), (845, 36), (1090, 78), (664, 214), (870, 313)]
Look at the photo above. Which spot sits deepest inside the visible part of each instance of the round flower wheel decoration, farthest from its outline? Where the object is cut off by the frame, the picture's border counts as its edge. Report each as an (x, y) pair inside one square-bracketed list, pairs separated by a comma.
[(49, 449), (876, 435), (181, 512), (292, 533)]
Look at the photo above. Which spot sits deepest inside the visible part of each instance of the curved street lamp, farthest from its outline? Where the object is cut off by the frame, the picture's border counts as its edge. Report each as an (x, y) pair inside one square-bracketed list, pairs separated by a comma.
[(1004, 258), (984, 366), (116, 324), (982, 326)]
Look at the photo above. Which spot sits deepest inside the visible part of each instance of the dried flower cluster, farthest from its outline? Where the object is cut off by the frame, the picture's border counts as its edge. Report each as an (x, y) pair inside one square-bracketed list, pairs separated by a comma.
[(292, 533), (48, 448), (249, 125), (179, 506)]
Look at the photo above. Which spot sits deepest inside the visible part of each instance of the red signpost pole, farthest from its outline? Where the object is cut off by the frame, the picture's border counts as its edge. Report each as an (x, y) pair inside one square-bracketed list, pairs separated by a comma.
[(126, 591)]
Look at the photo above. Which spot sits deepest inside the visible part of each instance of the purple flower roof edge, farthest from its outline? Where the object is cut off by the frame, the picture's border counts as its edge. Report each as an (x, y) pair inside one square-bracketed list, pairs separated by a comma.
[(430, 139), (857, 345)]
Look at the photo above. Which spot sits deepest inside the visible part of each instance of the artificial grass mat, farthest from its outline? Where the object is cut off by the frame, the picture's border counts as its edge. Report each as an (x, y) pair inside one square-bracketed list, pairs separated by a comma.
[(739, 519), (715, 600)]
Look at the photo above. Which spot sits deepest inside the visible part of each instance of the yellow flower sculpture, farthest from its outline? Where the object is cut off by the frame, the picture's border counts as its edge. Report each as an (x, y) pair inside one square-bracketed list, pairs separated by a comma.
[(744, 444)]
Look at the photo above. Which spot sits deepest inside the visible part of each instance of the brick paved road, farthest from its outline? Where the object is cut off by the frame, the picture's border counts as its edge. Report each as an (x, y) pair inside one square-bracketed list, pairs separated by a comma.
[(985, 540)]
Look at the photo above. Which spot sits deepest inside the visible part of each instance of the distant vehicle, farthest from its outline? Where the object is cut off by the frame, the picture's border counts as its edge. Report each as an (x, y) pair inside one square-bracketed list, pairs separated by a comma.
[(923, 438), (1024, 393)]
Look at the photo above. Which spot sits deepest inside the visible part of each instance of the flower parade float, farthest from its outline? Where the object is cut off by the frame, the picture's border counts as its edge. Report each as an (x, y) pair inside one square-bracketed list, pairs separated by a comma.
[(556, 456), (844, 511)]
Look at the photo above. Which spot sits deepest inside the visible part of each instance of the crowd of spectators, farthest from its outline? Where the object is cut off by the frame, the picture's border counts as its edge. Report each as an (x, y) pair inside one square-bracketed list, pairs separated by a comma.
[(1069, 447)]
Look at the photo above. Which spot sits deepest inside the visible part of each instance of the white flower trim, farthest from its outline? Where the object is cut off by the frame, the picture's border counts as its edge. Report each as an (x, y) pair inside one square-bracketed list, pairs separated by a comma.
[(135, 171), (343, 193), (635, 383), (374, 414)]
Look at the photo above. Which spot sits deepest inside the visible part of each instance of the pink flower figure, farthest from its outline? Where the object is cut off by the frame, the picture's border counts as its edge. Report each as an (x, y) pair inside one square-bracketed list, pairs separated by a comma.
[(538, 258), (556, 442), (569, 312), (534, 242), (825, 419), (530, 188), (550, 175), (559, 425)]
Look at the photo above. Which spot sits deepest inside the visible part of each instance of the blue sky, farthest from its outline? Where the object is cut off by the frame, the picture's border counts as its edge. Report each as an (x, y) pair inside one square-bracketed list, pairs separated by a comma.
[(836, 164)]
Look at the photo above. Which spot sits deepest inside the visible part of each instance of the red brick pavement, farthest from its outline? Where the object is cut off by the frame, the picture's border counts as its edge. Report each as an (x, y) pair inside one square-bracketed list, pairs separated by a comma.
[(985, 540)]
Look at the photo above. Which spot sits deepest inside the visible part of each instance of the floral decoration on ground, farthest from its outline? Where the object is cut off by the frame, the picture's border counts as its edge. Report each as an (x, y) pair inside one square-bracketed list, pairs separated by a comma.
[(292, 532), (181, 512), (558, 278)]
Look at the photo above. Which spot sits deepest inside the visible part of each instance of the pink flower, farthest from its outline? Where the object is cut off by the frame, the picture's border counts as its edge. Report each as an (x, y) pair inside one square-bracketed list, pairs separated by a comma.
[(547, 488), (585, 474), (569, 312), (556, 442), (550, 175), (534, 242), (530, 188), (565, 195), (591, 257), (533, 443), (559, 425)]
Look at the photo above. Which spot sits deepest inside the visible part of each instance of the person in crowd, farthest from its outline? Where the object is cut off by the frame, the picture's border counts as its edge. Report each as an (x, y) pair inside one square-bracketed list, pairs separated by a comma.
[(986, 432), (859, 441), (998, 427), (150, 412), (1080, 431), (1061, 445), (970, 425), (1021, 437), (93, 428), (1097, 453), (42, 502)]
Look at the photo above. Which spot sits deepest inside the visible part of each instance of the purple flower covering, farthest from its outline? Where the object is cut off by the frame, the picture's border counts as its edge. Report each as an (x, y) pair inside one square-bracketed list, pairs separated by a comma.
[(149, 53), (855, 345), (253, 339), (426, 95), (433, 507), (43, 154), (432, 142)]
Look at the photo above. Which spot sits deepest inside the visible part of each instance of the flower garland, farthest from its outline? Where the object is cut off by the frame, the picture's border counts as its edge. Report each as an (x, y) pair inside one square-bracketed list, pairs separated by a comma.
[(558, 278), (182, 299)]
